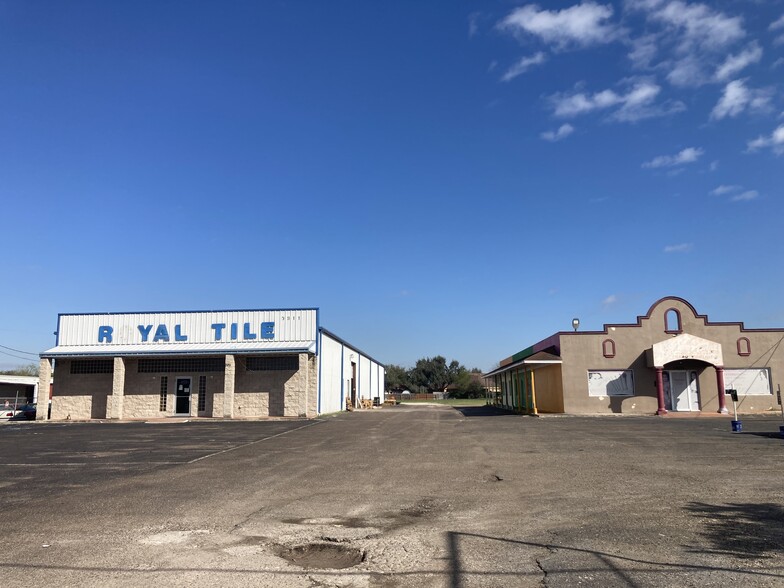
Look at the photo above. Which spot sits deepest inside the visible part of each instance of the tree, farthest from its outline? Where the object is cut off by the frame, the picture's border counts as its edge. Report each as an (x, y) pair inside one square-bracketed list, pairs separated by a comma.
[(397, 378), (468, 385), (434, 374), (25, 370)]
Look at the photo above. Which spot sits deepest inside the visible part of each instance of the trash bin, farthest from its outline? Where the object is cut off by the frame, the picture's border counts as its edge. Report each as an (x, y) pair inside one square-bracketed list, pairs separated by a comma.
[(737, 426)]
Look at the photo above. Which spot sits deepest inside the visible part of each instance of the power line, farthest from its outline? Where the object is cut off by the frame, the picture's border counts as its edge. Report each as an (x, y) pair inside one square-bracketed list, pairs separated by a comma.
[(18, 350), (16, 356)]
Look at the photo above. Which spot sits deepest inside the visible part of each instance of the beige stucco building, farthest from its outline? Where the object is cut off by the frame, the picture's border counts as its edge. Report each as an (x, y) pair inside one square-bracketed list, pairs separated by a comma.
[(671, 359)]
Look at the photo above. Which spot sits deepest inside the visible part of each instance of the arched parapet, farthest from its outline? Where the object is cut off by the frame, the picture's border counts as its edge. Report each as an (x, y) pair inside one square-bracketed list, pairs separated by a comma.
[(668, 300)]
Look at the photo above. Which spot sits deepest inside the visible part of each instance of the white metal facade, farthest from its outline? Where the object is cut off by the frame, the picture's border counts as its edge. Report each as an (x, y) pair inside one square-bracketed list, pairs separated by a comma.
[(339, 362), (238, 331)]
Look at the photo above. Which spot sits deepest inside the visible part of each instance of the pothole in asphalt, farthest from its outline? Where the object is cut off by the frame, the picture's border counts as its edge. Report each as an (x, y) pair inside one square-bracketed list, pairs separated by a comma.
[(333, 556)]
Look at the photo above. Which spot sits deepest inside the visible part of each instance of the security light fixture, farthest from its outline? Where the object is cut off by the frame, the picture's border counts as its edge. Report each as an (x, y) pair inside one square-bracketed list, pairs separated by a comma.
[(575, 324)]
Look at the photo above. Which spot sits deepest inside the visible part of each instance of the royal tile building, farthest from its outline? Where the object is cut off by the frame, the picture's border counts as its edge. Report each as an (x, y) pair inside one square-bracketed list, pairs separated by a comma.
[(225, 364)]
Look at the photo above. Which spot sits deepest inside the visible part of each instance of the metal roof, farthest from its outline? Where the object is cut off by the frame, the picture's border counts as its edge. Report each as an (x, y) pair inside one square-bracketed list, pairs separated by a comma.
[(179, 333), (234, 347)]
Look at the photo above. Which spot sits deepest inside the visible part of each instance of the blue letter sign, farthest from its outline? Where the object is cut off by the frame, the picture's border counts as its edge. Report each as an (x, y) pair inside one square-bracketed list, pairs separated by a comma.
[(105, 334)]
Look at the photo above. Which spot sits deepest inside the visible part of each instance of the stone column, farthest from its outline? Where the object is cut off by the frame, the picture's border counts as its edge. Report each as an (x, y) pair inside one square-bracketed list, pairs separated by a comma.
[(194, 397), (313, 386), (228, 387), (118, 388), (720, 386), (660, 390), (44, 383)]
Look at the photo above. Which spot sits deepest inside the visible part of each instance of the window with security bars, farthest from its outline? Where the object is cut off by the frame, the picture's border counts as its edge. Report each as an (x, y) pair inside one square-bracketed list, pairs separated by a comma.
[(269, 364), (92, 366), (181, 365), (164, 392), (202, 393)]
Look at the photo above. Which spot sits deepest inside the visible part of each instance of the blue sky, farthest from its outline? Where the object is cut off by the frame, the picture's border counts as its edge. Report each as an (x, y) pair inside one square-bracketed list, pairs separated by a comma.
[(446, 177)]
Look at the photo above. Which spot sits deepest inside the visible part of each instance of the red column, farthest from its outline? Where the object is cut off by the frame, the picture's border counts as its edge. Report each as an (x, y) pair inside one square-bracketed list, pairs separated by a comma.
[(720, 386), (660, 391)]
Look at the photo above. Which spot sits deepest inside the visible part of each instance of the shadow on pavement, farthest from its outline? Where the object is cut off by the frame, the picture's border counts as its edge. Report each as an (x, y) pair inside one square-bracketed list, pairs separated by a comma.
[(482, 411), (741, 530), (768, 434), (612, 568)]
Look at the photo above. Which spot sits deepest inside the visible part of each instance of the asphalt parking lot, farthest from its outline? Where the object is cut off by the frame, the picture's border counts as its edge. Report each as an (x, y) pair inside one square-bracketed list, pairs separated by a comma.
[(407, 496)]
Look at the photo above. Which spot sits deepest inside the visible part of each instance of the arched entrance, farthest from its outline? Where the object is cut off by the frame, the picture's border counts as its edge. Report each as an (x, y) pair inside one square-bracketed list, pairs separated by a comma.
[(681, 381), (678, 362)]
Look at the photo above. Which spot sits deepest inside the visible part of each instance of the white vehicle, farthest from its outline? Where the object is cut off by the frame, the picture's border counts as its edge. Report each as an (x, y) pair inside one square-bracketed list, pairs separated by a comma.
[(8, 412)]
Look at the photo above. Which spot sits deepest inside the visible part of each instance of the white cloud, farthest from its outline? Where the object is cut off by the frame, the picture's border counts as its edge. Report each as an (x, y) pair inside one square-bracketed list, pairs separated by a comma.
[(688, 155), (473, 24), (779, 24), (745, 196), (687, 71), (692, 40), (581, 25), (740, 195), (581, 103), (644, 49), (679, 248), (737, 98), (611, 299), (523, 65), (563, 131), (735, 63), (775, 141), (725, 189), (714, 165), (696, 25), (636, 104), (777, 63)]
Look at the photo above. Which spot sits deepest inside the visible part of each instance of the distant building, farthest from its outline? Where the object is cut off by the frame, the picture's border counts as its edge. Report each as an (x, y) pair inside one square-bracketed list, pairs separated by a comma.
[(225, 364), (671, 359), (18, 390)]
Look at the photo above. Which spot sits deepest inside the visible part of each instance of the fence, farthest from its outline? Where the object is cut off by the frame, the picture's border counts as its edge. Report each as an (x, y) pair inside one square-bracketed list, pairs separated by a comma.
[(399, 396)]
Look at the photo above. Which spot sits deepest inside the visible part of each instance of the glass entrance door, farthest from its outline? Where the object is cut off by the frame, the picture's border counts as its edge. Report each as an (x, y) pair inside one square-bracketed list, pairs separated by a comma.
[(182, 403)]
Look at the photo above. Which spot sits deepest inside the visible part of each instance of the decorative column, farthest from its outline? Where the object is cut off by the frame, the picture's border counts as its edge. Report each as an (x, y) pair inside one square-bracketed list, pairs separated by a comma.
[(534, 410), (660, 390), (228, 388), (720, 386), (118, 388), (44, 383)]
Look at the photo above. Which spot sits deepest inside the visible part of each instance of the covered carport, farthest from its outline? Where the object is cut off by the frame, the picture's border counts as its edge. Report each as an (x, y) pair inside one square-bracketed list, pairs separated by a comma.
[(18, 390)]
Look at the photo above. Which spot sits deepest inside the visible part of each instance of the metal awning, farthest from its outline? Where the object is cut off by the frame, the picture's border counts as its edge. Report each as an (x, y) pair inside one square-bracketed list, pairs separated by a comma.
[(537, 360), (229, 348)]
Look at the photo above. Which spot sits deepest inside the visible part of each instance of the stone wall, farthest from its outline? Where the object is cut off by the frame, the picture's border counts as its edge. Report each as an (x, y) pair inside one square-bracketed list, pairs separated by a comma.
[(79, 396), (272, 393)]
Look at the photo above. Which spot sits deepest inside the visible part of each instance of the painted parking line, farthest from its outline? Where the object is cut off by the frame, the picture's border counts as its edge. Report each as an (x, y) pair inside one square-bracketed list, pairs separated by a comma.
[(91, 463), (254, 442)]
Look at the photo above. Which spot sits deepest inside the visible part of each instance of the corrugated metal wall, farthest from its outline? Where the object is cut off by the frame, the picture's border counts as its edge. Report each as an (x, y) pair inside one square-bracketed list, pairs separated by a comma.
[(370, 375), (295, 326)]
